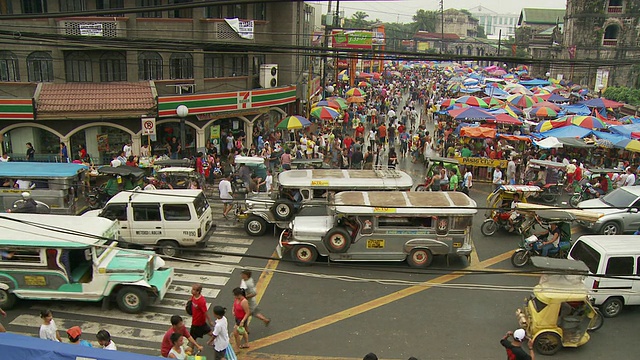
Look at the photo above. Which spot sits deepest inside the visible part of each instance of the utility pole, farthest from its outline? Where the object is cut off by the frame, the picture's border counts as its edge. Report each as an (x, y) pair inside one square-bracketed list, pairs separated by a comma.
[(327, 32), (499, 41), (442, 26)]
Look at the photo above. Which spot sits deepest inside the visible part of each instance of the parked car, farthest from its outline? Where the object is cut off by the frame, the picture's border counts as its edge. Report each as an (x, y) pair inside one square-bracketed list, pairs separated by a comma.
[(620, 211)]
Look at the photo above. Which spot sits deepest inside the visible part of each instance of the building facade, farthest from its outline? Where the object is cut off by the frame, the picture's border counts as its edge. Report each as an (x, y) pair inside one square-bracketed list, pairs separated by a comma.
[(458, 22), (91, 78), (495, 23)]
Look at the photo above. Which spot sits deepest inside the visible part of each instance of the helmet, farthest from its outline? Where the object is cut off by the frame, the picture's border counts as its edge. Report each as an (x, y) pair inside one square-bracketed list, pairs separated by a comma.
[(26, 195)]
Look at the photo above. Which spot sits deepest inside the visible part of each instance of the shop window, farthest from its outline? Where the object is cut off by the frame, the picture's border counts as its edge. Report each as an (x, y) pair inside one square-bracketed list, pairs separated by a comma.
[(181, 66), (469, 51), (78, 67), (181, 13), (40, 67), (260, 11), (620, 266), (258, 60), (149, 14), (239, 65), (237, 11), (149, 66), (72, 5), (214, 12), (34, 6), (176, 212), (611, 33), (113, 67), (147, 212), (5, 7), (213, 65), (9, 66)]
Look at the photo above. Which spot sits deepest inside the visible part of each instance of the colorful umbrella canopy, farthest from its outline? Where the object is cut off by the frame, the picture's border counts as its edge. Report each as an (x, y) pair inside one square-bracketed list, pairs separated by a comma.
[(491, 101), (629, 144), (602, 103), (473, 101), (629, 119), (547, 104), (555, 98), (362, 84), (343, 103), (506, 119), (588, 122), (551, 124), (324, 113), (355, 99), (355, 92), (471, 113), (544, 112), (517, 89), (293, 122), (330, 103), (446, 103), (522, 101), (512, 110)]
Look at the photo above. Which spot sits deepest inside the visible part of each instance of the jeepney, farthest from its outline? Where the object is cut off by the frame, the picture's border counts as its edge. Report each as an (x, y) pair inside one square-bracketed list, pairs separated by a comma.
[(62, 257), (384, 226), (61, 186), (295, 188)]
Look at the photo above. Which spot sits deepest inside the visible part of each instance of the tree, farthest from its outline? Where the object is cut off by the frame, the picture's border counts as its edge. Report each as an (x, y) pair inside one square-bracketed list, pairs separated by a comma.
[(395, 33), (358, 20), (425, 20), (481, 33)]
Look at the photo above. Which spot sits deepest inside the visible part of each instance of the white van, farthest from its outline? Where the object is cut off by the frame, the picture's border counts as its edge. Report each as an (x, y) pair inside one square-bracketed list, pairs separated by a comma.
[(616, 262), (165, 219)]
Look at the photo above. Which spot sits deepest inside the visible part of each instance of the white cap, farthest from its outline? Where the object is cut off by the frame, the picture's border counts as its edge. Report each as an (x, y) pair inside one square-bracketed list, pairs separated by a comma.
[(574, 160), (519, 334), (26, 195)]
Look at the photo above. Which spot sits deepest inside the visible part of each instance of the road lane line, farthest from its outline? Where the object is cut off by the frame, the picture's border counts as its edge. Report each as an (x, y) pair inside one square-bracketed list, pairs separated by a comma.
[(475, 259), (370, 305), (266, 276)]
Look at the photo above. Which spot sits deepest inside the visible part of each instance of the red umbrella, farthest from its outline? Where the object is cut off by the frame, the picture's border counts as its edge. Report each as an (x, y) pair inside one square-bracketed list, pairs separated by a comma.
[(547, 104), (506, 119)]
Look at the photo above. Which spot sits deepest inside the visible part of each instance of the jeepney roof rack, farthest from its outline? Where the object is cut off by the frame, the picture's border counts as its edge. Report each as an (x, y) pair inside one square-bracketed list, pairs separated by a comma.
[(387, 173)]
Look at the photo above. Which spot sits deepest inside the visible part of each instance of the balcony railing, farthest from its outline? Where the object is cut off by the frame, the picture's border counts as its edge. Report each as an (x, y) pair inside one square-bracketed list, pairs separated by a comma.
[(614, 9), (610, 42), (93, 26)]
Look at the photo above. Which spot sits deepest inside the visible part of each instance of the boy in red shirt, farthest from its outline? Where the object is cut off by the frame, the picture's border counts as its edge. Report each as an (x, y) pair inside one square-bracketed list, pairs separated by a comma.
[(201, 322)]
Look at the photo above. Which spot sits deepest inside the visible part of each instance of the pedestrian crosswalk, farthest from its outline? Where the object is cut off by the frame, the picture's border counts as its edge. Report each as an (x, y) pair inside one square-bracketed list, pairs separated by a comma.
[(142, 333)]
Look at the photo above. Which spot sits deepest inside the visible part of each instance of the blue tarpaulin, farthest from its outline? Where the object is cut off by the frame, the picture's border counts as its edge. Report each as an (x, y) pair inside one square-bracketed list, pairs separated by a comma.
[(625, 130), (568, 131), (496, 92), (578, 109), (20, 347), (32, 170), (614, 138), (534, 82)]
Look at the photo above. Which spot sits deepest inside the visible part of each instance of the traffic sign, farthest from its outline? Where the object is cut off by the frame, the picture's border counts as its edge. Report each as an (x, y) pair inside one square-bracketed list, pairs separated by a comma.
[(148, 126)]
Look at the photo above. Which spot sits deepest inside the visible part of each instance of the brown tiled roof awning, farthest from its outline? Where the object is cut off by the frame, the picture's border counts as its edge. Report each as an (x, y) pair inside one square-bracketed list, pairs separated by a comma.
[(95, 100)]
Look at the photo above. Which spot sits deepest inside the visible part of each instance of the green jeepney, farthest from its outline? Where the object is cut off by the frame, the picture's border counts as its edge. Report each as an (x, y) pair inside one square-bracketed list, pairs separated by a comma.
[(59, 257)]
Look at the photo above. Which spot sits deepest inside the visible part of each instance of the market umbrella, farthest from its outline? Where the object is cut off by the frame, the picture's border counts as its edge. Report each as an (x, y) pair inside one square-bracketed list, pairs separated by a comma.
[(517, 89), (363, 84), (446, 103), (547, 104), (330, 103), (555, 98), (473, 101), (629, 119), (293, 122), (471, 113), (355, 99), (551, 124), (549, 143), (602, 103), (492, 102), (376, 76), (588, 122), (522, 101), (355, 92), (342, 102), (629, 144), (512, 110), (506, 119), (324, 113), (544, 112)]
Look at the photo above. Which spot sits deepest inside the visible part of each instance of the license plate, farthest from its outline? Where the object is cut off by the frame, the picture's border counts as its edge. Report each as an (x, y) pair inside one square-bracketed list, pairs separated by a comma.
[(375, 244), (457, 244)]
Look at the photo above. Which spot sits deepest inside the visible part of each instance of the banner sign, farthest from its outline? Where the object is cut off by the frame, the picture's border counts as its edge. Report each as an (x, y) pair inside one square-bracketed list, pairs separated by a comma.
[(482, 162), (91, 29), (352, 39), (243, 28)]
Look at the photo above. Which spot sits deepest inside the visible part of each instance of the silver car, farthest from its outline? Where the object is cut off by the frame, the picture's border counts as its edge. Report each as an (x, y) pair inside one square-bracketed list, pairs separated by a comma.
[(620, 211)]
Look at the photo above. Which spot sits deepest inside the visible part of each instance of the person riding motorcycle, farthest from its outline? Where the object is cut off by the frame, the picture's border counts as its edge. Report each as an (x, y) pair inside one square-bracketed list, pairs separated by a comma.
[(552, 243), (514, 212), (28, 205)]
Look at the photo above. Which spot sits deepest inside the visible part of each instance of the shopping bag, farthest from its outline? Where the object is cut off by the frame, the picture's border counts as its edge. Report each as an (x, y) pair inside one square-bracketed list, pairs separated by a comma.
[(231, 355)]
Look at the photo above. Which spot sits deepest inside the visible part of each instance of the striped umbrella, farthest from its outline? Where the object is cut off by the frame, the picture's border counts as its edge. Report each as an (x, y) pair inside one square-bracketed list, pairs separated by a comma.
[(551, 124), (522, 101), (363, 84), (446, 103), (324, 113), (473, 101), (330, 103), (548, 104), (544, 112), (293, 122), (355, 99), (588, 122), (341, 101), (355, 92), (493, 102), (629, 144)]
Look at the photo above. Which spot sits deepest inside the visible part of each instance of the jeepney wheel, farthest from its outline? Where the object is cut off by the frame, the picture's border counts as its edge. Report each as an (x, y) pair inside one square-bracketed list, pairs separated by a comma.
[(421, 188), (598, 321), (575, 200), (612, 307), (547, 343), (282, 210), (7, 299), (132, 300), (337, 240), (255, 225), (168, 248), (304, 254), (610, 228), (420, 258), (489, 227), (520, 258)]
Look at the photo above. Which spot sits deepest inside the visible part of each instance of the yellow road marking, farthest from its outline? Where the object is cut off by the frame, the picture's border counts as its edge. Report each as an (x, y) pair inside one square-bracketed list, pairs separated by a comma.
[(474, 254), (265, 278), (369, 305)]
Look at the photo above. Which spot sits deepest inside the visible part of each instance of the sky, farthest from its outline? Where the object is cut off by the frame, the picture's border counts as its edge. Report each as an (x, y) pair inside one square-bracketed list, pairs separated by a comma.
[(403, 10)]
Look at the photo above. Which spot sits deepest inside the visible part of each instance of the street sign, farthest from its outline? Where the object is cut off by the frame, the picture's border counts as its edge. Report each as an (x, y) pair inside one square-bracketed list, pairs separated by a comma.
[(148, 126)]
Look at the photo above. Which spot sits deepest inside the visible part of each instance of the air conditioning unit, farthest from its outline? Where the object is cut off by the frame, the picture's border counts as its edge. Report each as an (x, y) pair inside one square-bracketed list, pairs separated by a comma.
[(269, 75)]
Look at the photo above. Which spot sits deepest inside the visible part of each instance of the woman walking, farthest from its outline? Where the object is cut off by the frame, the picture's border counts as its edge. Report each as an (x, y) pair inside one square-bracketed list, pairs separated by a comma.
[(241, 312)]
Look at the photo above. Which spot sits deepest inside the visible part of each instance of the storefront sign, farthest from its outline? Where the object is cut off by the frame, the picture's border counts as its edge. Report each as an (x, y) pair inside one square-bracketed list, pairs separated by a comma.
[(16, 109), (481, 162), (215, 132), (148, 126), (352, 39), (244, 29), (91, 29), (103, 142)]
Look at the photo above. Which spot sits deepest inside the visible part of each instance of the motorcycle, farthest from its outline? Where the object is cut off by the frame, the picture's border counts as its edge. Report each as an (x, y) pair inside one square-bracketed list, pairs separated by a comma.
[(98, 198), (500, 220), (532, 246), (586, 192)]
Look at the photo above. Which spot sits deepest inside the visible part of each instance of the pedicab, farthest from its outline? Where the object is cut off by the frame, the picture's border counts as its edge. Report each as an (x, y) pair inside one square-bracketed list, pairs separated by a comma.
[(559, 313), (110, 180), (181, 177), (436, 163), (499, 209), (552, 184)]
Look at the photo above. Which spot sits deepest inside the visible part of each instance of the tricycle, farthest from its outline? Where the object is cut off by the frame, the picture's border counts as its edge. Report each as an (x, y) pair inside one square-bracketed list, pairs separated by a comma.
[(110, 180), (559, 312), (549, 176), (433, 169), (552, 221), (595, 183), (500, 212)]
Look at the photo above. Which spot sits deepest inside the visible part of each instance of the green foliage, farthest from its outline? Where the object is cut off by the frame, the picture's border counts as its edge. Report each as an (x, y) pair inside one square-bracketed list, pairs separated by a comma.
[(395, 33), (481, 33), (358, 21), (425, 20), (623, 94)]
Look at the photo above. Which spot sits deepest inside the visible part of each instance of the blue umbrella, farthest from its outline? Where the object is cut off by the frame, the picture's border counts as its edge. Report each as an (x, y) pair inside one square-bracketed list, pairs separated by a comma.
[(471, 113), (557, 98)]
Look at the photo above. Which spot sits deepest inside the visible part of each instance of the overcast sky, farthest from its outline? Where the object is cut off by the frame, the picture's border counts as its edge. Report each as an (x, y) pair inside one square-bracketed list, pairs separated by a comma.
[(403, 10)]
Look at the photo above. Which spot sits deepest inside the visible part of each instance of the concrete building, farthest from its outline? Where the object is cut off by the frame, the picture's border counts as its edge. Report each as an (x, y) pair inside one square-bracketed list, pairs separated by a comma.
[(458, 22), (92, 90), (494, 22)]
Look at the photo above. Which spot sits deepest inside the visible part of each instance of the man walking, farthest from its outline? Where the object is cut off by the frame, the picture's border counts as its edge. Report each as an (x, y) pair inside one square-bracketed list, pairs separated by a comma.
[(226, 194), (514, 348), (201, 321), (250, 294)]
